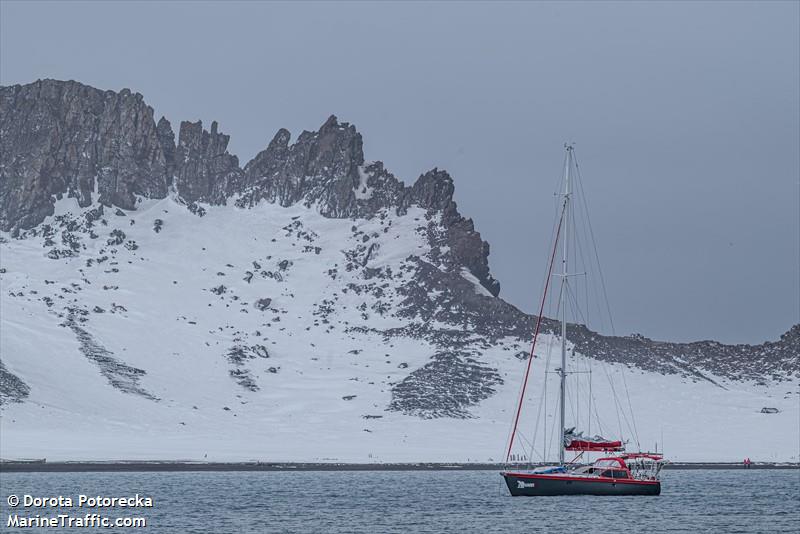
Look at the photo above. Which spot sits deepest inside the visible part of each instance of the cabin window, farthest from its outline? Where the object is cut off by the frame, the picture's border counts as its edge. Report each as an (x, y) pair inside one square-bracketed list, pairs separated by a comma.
[(615, 473)]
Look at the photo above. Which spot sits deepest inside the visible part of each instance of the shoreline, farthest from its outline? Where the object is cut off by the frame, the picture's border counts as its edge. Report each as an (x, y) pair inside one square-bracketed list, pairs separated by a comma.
[(170, 466)]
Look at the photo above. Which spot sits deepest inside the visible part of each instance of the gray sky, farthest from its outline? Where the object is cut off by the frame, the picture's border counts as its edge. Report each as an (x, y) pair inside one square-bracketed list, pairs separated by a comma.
[(686, 118)]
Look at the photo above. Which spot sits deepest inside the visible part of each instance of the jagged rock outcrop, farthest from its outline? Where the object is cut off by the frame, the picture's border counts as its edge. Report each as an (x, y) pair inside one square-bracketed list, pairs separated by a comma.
[(204, 170), (433, 190), (773, 359), (319, 168), (167, 139), (65, 138), (327, 169)]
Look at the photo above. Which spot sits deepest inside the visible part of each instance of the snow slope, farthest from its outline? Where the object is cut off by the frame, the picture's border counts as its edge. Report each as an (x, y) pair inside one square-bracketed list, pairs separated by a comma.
[(168, 349)]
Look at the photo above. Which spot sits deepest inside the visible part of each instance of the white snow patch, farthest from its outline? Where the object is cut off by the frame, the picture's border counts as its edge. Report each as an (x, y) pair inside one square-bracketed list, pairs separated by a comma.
[(363, 191), (479, 289), (178, 331)]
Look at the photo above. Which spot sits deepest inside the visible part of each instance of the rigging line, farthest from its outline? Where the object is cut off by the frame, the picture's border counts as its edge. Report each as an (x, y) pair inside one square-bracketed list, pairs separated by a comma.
[(536, 333), (523, 438), (545, 437), (542, 291), (619, 408), (574, 301), (589, 408), (543, 402), (594, 244), (550, 345), (544, 283), (597, 418), (593, 404), (630, 407), (586, 360), (585, 238), (553, 434), (543, 396), (584, 242), (577, 391), (582, 388), (582, 238), (571, 406), (614, 396), (603, 285), (556, 215), (581, 258), (592, 407), (553, 227)]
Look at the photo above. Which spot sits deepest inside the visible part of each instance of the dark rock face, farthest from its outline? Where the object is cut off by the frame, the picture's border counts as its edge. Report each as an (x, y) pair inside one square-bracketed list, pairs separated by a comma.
[(327, 168), (320, 168), (205, 171), (773, 359), (433, 190), (12, 388), (65, 138), (238, 356), (167, 139), (478, 319), (120, 375), (447, 386)]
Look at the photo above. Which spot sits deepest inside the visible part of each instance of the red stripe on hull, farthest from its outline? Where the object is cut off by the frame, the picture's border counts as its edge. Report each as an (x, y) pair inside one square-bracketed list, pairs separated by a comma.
[(584, 479), (534, 485)]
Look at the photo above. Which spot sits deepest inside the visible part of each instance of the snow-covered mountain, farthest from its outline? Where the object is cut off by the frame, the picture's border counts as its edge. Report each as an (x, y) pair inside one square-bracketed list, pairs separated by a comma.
[(161, 302)]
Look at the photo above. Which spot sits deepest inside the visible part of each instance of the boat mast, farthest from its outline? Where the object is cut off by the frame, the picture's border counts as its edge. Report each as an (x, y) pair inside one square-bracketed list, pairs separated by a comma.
[(563, 304)]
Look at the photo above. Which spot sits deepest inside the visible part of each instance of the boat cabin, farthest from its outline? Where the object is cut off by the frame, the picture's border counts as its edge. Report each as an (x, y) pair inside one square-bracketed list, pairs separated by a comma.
[(606, 467), (629, 466)]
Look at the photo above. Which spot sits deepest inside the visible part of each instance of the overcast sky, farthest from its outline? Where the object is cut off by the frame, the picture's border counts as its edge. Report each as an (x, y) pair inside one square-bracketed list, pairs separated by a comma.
[(686, 118)]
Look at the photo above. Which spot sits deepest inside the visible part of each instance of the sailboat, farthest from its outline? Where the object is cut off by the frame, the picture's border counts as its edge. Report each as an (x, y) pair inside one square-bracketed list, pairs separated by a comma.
[(615, 472)]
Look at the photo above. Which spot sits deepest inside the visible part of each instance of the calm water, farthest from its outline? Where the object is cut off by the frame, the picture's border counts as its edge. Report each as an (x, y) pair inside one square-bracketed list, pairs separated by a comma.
[(415, 501)]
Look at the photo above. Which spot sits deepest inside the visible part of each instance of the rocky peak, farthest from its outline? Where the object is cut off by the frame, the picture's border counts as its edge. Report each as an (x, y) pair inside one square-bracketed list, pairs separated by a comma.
[(320, 168), (167, 138), (204, 170), (336, 150), (65, 138), (263, 170), (433, 190), (280, 141)]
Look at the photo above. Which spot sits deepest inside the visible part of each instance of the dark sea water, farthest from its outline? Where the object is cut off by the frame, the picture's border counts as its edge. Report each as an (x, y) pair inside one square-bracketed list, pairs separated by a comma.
[(415, 501)]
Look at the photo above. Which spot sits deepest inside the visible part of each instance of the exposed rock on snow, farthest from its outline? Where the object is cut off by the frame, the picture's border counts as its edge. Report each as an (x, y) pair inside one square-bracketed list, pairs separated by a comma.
[(123, 377), (205, 171), (12, 389), (65, 138), (447, 386), (340, 282)]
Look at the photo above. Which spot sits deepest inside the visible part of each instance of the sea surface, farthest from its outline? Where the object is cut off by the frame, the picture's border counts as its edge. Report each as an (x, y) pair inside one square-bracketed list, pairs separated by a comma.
[(407, 502)]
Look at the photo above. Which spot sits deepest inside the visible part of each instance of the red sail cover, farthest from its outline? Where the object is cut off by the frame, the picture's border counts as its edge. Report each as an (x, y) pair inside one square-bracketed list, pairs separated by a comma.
[(589, 446), (577, 442)]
